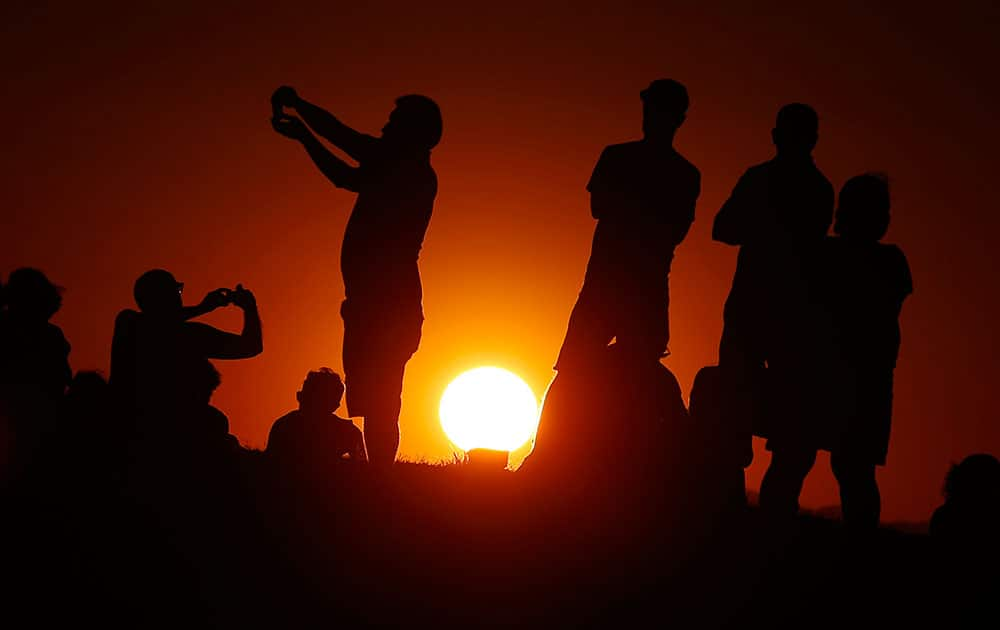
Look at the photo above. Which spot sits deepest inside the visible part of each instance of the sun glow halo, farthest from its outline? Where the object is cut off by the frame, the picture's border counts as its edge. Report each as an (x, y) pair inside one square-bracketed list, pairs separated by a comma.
[(488, 407)]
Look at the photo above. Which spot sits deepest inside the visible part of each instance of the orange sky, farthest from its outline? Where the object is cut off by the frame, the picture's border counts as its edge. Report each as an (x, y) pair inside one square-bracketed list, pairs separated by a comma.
[(139, 138)]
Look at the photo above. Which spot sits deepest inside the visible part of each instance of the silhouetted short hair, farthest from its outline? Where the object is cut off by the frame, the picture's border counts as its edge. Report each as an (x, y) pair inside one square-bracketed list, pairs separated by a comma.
[(420, 120), (29, 291), (798, 117), (324, 384), (667, 95), (975, 478), (863, 208), (151, 288)]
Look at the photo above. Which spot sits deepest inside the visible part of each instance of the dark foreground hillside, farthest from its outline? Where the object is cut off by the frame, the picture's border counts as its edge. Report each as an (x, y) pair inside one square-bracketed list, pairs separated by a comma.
[(246, 545)]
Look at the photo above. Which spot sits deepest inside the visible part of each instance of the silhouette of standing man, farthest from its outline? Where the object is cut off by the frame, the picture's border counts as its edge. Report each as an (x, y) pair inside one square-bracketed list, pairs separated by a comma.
[(396, 186), (643, 196), (777, 214)]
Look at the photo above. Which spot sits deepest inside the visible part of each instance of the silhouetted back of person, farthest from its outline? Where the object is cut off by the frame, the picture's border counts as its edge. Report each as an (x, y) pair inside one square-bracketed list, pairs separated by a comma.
[(158, 359), (34, 354), (34, 365), (777, 214), (643, 195), (396, 186), (862, 283), (312, 437)]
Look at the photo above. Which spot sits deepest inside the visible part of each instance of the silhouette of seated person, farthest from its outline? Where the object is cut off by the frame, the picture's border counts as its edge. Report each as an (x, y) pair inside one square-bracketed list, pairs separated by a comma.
[(204, 427), (382, 309), (778, 212), (964, 531), (622, 416), (34, 364), (643, 195), (157, 355), (970, 515), (722, 453), (312, 439), (861, 284)]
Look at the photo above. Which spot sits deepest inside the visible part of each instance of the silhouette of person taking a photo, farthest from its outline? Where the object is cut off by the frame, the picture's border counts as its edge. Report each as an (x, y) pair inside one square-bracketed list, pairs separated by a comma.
[(396, 187), (160, 360), (643, 195), (778, 213), (312, 434)]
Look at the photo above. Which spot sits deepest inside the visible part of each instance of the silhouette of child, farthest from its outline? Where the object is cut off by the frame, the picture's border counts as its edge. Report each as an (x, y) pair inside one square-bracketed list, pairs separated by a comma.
[(312, 435), (864, 283)]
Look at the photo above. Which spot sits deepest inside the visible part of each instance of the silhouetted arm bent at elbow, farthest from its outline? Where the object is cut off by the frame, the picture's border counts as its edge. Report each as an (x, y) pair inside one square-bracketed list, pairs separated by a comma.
[(340, 173)]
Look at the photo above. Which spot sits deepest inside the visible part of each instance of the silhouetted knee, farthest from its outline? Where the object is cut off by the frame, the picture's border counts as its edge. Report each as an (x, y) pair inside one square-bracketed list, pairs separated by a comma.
[(782, 483)]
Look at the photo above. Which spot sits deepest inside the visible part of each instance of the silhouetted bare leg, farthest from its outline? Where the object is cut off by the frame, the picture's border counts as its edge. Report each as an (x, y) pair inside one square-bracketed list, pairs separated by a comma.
[(782, 483), (860, 501)]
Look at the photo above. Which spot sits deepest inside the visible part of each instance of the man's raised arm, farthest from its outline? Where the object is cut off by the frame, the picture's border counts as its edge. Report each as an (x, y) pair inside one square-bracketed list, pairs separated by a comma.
[(352, 142), (342, 174)]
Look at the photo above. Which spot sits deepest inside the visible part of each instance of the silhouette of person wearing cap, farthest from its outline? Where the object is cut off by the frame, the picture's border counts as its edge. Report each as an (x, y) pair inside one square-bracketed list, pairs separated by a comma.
[(778, 213), (643, 195), (396, 186), (158, 357)]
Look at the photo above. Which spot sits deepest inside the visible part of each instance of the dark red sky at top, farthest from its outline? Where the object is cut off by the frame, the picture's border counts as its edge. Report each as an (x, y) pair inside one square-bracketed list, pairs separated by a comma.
[(139, 137)]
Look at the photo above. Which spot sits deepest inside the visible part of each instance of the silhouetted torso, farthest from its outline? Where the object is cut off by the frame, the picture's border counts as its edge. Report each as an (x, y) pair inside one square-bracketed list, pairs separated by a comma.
[(651, 194), (866, 284), (156, 363), (298, 440), (34, 357), (386, 229)]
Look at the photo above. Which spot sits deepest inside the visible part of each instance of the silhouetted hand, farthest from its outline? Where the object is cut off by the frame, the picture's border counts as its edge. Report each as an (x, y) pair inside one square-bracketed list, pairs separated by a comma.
[(215, 299), (290, 127), (243, 298), (284, 96)]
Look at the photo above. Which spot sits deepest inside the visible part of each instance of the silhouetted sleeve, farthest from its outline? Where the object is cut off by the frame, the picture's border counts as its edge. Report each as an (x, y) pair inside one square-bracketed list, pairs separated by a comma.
[(123, 348), (903, 277), (276, 438), (686, 208), (730, 224), (823, 212), (600, 186)]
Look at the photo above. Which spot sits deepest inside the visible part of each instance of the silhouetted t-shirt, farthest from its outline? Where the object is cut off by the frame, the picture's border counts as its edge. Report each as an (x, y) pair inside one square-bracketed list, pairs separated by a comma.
[(868, 282), (34, 358), (386, 228), (643, 197), (294, 437), (158, 365)]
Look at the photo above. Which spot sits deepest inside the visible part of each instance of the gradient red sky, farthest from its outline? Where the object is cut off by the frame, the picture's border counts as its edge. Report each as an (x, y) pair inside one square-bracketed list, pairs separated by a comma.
[(139, 137)]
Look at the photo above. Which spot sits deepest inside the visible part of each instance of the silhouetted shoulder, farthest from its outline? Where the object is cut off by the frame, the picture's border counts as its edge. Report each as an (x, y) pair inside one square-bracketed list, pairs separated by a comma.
[(896, 263), (280, 429)]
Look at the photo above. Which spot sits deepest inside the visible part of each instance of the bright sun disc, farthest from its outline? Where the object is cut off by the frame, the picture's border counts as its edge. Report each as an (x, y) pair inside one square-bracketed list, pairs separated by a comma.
[(489, 407)]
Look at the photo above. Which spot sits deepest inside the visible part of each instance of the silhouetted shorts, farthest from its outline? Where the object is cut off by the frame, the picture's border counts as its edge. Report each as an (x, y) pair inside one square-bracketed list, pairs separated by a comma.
[(378, 341)]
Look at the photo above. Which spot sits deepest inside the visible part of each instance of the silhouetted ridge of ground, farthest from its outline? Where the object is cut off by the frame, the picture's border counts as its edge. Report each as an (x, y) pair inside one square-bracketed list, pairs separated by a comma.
[(245, 545)]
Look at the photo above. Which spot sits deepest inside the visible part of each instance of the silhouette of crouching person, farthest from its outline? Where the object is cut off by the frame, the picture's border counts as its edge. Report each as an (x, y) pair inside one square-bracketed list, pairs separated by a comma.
[(312, 436)]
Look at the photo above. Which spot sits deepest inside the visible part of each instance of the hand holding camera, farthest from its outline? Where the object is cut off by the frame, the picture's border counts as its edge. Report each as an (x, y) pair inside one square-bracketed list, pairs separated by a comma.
[(241, 297)]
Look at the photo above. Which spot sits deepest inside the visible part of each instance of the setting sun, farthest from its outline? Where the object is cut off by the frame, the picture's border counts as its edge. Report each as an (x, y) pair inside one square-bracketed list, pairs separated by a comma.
[(489, 407)]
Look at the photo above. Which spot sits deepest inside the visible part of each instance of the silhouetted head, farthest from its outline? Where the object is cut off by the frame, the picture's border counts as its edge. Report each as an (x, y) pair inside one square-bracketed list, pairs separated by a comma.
[(664, 107), (30, 295), (415, 123), (203, 380), (863, 208), (974, 481), (321, 392), (157, 292), (796, 130)]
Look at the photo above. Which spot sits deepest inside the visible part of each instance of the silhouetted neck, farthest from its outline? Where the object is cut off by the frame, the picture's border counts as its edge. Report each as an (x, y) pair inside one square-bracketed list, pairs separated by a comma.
[(788, 157), (660, 142)]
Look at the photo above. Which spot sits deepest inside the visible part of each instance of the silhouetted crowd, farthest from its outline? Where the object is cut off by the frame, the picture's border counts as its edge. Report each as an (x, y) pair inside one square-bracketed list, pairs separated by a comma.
[(809, 346)]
